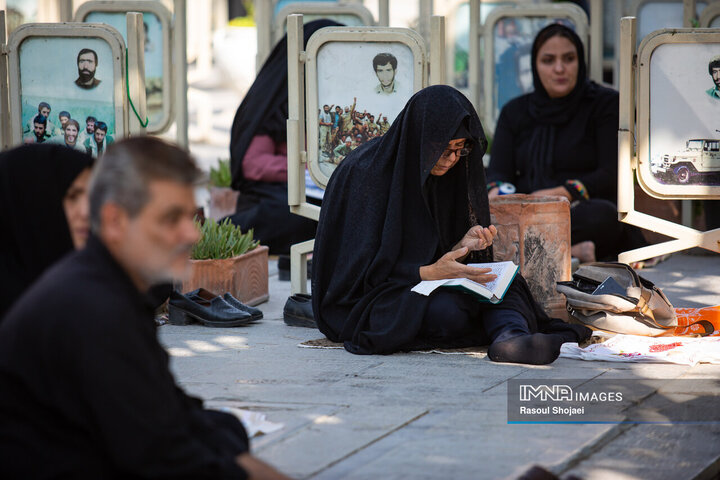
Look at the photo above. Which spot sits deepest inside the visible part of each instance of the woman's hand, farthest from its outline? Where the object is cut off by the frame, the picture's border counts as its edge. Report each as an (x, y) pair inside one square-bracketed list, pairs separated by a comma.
[(494, 192), (448, 267), (477, 238), (554, 192)]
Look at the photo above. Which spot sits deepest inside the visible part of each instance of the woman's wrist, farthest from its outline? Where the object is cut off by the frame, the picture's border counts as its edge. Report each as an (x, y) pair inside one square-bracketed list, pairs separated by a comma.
[(426, 272)]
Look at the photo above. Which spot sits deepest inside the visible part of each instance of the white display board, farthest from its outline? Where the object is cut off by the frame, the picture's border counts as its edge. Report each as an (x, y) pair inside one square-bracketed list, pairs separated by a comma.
[(509, 33), (157, 21), (679, 108), (78, 69)]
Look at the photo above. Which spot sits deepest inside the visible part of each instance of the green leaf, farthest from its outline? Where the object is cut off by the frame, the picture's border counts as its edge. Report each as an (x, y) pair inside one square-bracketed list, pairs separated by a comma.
[(222, 240), (221, 176)]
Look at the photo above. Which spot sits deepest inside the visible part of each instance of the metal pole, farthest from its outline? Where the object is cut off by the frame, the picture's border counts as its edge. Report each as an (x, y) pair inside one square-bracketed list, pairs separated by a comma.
[(264, 23), (689, 21), (4, 90), (425, 12), (474, 61), (626, 128), (179, 40), (65, 10), (296, 114), (384, 13), (296, 145), (438, 65), (596, 40), (136, 72), (203, 60), (689, 13)]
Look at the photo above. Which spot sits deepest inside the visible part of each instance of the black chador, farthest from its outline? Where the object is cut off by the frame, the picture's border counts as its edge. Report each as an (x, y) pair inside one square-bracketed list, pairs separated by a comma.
[(33, 182), (384, 216)]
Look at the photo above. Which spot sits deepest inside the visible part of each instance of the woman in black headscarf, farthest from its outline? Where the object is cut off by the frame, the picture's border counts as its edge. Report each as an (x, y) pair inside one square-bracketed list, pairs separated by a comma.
[(258, 155), (43, 212), (410, 206), (561, 139)]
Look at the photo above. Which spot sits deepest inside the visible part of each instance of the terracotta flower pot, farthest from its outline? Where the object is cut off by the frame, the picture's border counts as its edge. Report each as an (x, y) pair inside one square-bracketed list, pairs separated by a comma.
[(223, 202), (245, 276), (534, 232)]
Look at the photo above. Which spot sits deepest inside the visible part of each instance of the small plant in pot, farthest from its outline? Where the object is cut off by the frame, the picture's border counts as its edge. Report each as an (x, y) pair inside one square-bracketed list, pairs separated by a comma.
[(227, 260), (223, 199)]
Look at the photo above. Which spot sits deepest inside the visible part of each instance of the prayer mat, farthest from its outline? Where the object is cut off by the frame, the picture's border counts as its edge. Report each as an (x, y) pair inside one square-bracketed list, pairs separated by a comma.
[(480, 352)]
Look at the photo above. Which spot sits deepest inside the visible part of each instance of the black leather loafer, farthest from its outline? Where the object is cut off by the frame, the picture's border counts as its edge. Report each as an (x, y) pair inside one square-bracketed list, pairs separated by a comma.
[(206, 308), (298, 311), (255, 313)]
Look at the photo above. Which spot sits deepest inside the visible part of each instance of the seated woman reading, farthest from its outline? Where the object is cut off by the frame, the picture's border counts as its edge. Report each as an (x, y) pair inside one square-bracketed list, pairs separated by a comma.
[(411, 206), (561, 139)]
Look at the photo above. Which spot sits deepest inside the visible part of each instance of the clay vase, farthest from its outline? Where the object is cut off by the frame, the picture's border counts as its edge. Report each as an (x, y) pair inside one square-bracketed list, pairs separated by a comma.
[(244, 276), (223, 202), (534, 233)]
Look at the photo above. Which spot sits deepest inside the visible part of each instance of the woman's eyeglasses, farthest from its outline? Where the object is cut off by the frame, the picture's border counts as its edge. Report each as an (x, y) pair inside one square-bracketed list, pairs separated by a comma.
[(459, 152)]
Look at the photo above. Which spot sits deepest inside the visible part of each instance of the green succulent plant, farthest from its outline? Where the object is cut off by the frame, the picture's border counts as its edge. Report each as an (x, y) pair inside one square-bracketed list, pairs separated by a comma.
[(220, 176), (222, 240)]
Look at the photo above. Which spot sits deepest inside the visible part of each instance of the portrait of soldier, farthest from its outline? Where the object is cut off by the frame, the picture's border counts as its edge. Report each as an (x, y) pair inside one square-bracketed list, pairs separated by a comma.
[(50, 128), (325, 121), (63, 117), (88, 131), (385, 66), (70, 138), (99, 141), (38, 133), (714, 71), (87, 62)]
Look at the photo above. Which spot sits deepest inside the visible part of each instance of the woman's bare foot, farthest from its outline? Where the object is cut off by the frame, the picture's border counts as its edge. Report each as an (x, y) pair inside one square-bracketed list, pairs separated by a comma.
[(583, 251)]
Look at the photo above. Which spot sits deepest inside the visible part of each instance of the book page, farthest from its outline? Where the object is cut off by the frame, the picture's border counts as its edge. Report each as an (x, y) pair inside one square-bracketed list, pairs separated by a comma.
[(426, 287), (497, 269), (500, 269)]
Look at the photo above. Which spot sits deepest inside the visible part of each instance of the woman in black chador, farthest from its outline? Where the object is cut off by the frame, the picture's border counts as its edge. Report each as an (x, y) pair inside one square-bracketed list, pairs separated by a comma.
[(561, 139), (43, 212), (411, 206), (258, 155)]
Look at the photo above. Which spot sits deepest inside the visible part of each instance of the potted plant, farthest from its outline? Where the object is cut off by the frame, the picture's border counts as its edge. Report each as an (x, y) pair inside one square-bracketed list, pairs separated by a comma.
[(223, 199), (227, 260)]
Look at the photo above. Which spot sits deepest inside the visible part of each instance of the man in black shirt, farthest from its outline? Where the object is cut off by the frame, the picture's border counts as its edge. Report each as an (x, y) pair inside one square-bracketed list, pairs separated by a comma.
[(85, 388)]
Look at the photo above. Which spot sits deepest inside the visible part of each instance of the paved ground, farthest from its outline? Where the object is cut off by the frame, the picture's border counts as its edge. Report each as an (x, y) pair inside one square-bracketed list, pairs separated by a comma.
[(443, 416)]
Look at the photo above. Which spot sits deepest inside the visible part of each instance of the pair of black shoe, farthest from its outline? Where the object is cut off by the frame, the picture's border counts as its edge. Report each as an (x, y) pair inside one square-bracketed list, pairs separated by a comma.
[(203, 306), (298, 311)]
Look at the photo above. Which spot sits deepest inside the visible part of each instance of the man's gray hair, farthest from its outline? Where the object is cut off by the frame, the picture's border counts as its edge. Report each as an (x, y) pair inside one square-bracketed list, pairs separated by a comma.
[(123, 174)]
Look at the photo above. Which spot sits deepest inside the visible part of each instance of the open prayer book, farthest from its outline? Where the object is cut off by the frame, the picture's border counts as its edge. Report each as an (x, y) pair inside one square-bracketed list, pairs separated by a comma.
[(492, 292)]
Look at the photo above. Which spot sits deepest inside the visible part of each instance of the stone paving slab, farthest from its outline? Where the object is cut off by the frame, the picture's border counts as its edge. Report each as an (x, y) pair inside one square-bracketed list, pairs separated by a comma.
[(656, 451), (417, 415)]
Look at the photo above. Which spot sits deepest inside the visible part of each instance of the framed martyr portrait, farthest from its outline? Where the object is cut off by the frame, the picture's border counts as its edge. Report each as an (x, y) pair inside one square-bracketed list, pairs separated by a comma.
[(678, 109), (352, 15), (60, 73), (158, 73), (710, 16), (507, 38), (357, 81), (656, 14)]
